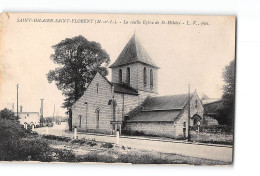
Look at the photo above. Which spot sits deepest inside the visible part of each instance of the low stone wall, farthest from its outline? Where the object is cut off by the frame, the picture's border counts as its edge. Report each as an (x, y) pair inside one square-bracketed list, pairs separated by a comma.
[(209, 121), (163, 129)]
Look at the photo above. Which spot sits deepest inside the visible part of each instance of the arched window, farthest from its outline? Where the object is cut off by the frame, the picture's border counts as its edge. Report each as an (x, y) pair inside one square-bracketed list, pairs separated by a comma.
[(128, 76), (151, 79), (120, 76), (97, 118), (145, 77), (97, 87), (80, 120)]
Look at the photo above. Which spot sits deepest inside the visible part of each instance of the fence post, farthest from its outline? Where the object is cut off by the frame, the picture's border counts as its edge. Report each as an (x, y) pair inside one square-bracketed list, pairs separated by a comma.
[(33, 127), (198, 128), (75, 132), (47, 129), (117, 137)]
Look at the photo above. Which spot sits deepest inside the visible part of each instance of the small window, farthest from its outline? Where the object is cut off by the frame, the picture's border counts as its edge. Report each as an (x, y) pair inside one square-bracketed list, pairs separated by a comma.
[(80, 117), (128, 76), (120, 76), (97, 87), (27, 115), (184, 124), (196, 104), (97, 118), (151, 79), (145, 77)]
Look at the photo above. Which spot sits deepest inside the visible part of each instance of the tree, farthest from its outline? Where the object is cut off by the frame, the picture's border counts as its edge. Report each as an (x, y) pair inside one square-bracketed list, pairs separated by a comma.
[(204, 96), (7, 114), (227, 111), (79, 61)]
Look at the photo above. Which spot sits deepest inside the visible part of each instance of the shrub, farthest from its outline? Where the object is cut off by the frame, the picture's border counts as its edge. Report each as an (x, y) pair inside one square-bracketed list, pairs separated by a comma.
[(107, 145), (92, 143), (57, 138), (25, 150), (11, 130), (15, 146), (64, 155), (78, 141), (7, 114)]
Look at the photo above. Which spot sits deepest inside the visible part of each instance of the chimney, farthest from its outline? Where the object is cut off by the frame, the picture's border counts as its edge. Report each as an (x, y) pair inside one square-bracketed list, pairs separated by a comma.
[(21, 109)]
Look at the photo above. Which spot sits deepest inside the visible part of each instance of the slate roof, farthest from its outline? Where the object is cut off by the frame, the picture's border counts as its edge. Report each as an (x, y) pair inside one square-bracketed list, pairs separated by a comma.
[(133, 52), (165, 102), (156, 116), (161, 109), (124, 88), (210, 100)]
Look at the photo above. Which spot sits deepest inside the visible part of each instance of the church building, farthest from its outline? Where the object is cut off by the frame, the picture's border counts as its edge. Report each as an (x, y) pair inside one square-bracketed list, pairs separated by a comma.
[(130, 102)]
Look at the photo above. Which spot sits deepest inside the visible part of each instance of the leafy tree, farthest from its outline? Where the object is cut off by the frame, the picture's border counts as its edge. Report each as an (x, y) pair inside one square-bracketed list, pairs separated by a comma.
[(79, 61), (7, 114), (227, 111)]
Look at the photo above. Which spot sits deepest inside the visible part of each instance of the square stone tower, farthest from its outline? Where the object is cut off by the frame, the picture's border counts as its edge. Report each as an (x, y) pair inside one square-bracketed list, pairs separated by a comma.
[(135, 68)]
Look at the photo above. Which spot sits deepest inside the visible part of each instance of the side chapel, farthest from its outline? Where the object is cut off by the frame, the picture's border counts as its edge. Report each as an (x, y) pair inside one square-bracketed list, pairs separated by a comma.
[(131, 102)]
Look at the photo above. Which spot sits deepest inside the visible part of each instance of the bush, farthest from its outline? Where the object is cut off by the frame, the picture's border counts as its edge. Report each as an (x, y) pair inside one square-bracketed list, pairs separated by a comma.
[(15, 146), (11, 130), (64, 155), (92, 143), (7, 114), (78, 141), (25, 150), (107, 145), (57, 138)]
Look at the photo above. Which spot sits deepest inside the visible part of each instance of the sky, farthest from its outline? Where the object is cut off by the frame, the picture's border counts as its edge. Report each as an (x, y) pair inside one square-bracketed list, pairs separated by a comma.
[(192, 54)]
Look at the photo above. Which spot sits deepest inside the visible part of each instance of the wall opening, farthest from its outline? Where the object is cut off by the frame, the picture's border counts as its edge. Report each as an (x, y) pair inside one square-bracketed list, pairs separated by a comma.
[(128, 75)]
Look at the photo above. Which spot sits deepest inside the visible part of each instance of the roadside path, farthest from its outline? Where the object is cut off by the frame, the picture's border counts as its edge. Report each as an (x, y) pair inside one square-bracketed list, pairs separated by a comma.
[(213, 152)]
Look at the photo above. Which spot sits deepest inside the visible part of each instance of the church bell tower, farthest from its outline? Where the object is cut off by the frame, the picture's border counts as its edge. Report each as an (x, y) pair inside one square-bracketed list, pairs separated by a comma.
[(135, 68)]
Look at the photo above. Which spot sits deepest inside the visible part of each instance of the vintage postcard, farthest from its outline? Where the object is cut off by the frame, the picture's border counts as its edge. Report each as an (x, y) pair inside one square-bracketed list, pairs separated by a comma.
[(117, 88)]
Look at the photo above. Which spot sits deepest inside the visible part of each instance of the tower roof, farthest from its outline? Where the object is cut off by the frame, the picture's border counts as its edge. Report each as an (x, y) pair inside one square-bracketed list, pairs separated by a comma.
[(133, 52)]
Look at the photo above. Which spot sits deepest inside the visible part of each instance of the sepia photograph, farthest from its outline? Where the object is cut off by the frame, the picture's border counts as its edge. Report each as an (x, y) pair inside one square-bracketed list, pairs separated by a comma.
[(117, 88)]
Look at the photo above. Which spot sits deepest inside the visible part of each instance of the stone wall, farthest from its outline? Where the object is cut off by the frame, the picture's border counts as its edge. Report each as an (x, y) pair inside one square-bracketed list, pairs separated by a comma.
[(137, 76), (133, 74), (182, 120), (95, 101), (209, 121), (163, 129)]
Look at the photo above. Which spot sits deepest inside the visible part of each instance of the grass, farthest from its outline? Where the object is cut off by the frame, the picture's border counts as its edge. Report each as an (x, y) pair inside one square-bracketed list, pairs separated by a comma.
[(95, 151), (18, 144)]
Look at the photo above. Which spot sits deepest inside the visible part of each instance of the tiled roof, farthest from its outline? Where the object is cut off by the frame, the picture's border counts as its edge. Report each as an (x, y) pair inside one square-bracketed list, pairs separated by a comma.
[(210, 100), (133, 52), (124, 88), (160, 109), (156, 116), (165, 102)]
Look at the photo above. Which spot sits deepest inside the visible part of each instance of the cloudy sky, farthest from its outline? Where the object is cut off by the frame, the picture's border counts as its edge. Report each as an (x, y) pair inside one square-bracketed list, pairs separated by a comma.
[(195, 53)]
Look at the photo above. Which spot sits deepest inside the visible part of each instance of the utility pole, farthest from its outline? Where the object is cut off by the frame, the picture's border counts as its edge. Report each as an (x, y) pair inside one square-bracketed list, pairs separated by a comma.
[(53, 114), (189, 115), (17, 86), (42, 108)]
